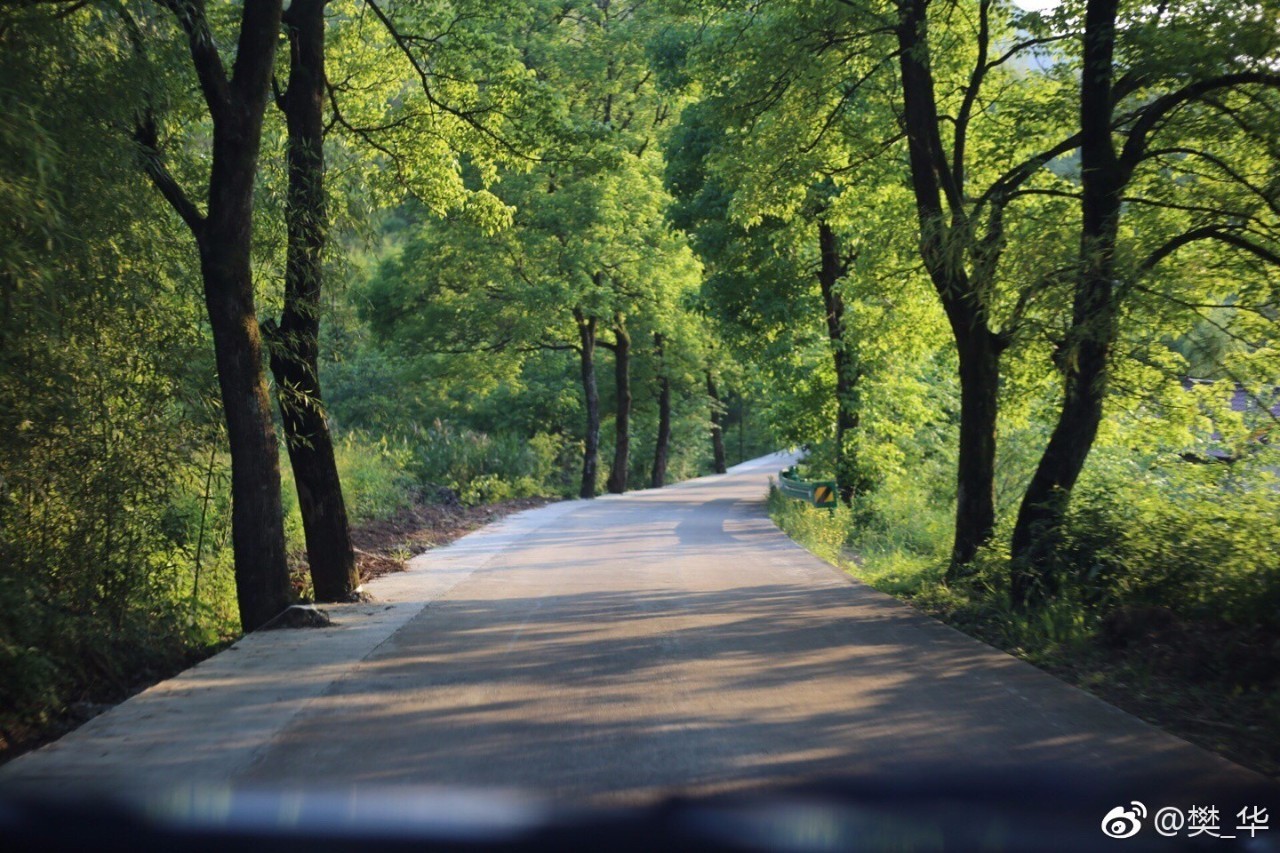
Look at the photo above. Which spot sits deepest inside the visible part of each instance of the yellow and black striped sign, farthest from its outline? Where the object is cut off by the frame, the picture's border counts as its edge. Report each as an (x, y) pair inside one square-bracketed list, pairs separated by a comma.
[(822, 495)]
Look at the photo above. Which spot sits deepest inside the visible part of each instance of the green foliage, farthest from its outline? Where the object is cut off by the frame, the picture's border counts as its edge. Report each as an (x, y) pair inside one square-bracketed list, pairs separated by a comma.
[(376, 481), (902, 551), (513, 169), (1144, 531), (911, 514), (1197, 538), (105, 375), (375, 476), (483, 468), (822, 531)]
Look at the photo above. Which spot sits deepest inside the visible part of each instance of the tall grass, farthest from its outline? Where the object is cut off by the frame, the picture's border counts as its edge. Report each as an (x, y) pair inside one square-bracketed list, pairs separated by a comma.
[(376, 481), (484, 468), (1197, 540)]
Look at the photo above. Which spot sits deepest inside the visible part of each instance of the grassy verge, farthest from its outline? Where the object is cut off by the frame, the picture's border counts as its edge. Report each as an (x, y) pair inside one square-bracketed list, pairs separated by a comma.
[(1206, 680)]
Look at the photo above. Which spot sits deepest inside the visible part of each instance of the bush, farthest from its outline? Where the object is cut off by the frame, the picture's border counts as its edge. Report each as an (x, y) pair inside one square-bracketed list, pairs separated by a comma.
[(905, 515), (1141, 532), (376, 478), (1199, 539), (483, 468), (490, 488)]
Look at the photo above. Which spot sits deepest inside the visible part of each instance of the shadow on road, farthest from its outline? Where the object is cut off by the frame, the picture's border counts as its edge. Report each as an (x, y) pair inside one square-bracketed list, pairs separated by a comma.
[(623, 692)]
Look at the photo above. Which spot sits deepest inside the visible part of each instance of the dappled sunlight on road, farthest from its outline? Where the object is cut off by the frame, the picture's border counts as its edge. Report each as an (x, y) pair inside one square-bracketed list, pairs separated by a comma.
[(676, 640), (622, 649)]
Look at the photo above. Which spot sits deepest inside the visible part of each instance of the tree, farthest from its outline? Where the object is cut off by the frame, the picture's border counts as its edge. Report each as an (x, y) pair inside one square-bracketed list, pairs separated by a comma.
[(586, 235), (683, 344), (718, 176), (1158, 128), (788, 242), (236, 104), (717, 425), (963, 233), (471, 121), (608, 43), (621, 346), (294, 342), (662, 445), (107, 387)]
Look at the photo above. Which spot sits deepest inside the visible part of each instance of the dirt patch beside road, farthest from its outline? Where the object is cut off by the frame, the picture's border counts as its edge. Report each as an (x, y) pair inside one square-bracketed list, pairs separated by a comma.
[(386, 546)]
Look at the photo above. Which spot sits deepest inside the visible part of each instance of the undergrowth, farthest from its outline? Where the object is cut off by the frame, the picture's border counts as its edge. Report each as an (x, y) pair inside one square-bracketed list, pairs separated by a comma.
[(133, 580), (1167, 606)]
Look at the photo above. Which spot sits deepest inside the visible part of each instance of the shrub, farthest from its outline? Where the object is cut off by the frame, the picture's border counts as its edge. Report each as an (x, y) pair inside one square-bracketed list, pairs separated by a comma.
[(376, 478), (484, 468), (1199, 539)]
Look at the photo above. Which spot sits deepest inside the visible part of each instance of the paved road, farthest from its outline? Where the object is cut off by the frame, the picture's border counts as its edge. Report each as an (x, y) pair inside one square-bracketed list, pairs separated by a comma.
[(617, 649)]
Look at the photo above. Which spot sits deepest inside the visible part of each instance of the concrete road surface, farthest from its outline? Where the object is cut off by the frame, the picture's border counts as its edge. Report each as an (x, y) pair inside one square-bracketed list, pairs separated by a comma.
[(620, 649)]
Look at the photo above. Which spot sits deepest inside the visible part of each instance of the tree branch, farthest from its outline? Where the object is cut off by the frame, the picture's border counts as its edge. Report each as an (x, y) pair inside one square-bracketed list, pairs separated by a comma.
[(1019, 174), (146, 136), (1023, 45), (979, 72), (1150, 116), (205, 58), (153, 164), (404, 42), (1272, 203), (1211, 232)]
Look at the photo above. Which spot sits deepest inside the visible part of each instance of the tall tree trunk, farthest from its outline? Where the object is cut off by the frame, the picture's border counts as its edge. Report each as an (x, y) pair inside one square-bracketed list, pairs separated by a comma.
[(977, 347), (295, 342), (979, 354), (591, 398), (658, 477), (236, 105), (257, 521), (830, 270), (1084, 358), (617, 482), (742, 430), (717, 425)]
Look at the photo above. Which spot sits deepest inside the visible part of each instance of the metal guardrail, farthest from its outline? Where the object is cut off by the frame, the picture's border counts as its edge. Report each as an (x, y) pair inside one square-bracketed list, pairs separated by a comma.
[(820, 493)]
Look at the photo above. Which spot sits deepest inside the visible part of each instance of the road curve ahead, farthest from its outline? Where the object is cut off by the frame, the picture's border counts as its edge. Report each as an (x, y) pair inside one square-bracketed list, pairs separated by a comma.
[(624, 649)]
